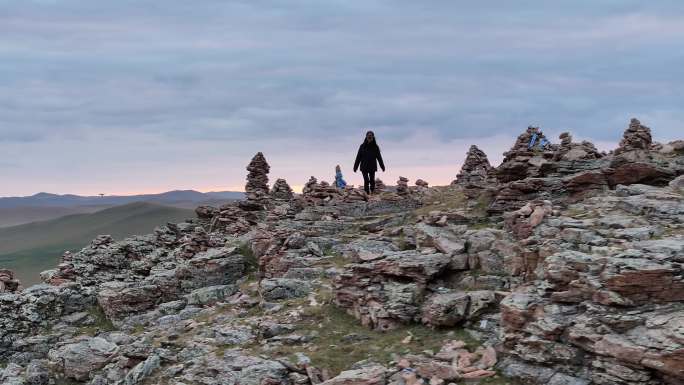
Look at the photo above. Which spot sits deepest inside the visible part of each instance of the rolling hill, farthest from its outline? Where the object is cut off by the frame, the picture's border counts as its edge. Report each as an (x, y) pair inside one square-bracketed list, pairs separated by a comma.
[(31, 248), (15, 211)]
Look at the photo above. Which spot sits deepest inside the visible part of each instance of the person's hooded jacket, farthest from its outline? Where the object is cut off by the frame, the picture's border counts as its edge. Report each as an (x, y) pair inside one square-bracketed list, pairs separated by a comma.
[(368, 157)]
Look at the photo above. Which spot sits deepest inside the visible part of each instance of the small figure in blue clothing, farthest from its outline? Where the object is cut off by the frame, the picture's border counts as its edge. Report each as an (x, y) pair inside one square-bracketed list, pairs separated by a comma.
[(368, 158), (339, 179)]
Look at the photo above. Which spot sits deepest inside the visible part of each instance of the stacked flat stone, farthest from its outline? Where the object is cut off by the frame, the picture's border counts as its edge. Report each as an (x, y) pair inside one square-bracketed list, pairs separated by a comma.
[(379, 185), (476, 167), (8, 282), (421, 183), (402, 186), (355, 195), (310, 186), (281, 190), (636, 137), (101, 241), (256, 188), (569, 151), (566, 139)]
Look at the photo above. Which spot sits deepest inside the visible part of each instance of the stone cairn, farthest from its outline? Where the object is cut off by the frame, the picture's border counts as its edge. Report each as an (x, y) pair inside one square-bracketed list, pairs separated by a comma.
[(402, 186), (570, 151), (379, 185), (476, 168), (636, 137), (256, 188), (8, 282), (310, 186), (525, 159), (566, 139), (101, 241), (281, 190), (315, 192), (421, 183)]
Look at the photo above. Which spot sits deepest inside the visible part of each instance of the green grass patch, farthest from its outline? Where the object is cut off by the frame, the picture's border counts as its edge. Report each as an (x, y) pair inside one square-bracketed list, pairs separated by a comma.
[(251, 261), (101, 324), (333, 348), (331, 351)]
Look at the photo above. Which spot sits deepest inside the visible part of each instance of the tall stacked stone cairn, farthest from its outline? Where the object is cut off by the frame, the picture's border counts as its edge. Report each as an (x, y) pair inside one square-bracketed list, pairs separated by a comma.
[(476, 169), (380, 185), (256, 188), (635, 137), (402, 186), (8, 282), (281, 190)]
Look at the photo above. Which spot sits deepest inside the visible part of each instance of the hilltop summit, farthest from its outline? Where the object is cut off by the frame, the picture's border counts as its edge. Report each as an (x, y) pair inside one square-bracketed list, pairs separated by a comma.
[(561, 266)]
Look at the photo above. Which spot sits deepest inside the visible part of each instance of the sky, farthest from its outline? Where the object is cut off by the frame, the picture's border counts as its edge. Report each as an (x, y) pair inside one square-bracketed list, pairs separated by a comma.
[(139, 96)]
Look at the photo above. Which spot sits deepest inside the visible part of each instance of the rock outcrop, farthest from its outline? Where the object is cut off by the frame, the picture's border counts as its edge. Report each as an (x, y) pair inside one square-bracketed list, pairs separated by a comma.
[(572, 276)]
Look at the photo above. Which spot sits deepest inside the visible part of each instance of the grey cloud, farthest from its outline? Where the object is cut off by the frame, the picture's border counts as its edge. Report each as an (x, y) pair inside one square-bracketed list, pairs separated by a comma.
[(314, 71)]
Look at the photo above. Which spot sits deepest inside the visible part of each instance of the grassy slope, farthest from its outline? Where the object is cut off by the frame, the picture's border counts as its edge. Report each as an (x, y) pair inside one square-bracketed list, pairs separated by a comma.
[(31, 248), (16, 216)]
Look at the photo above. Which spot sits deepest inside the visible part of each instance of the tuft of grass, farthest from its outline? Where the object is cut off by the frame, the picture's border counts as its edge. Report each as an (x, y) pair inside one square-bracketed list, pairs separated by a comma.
[(101, 324), (251, 261), (138, 329)]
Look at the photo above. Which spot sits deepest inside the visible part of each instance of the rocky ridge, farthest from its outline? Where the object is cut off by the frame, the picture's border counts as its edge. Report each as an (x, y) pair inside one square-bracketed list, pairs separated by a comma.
[(563, 265)]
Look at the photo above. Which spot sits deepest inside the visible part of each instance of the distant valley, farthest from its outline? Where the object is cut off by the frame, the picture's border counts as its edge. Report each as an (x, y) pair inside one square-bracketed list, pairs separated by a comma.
[(36, 230), (44, 206)]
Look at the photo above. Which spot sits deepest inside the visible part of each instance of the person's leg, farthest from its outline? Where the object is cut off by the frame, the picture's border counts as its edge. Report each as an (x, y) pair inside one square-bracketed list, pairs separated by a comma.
[(371, 176), (366, 182)]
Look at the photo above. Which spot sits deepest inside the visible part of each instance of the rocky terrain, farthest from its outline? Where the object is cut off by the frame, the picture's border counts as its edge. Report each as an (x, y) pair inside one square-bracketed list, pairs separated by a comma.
[(561, 266)]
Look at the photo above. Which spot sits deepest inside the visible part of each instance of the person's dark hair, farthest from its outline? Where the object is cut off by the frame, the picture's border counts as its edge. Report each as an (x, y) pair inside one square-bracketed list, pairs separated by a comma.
[(375, 142)]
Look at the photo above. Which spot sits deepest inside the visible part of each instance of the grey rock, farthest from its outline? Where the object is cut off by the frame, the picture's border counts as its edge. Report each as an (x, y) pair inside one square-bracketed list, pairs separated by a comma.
[(284, 288)]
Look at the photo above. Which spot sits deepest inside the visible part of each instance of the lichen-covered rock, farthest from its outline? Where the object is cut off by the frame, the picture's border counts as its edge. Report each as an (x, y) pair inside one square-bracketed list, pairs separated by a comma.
[(373, 375), (79, 359), (284, 288)]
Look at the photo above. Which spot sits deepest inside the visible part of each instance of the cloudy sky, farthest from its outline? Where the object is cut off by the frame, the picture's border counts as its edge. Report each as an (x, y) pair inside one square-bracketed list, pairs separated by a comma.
[(131, 96)]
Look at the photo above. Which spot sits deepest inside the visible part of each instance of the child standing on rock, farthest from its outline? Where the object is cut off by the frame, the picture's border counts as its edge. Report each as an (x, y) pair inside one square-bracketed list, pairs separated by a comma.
[(368, 158)]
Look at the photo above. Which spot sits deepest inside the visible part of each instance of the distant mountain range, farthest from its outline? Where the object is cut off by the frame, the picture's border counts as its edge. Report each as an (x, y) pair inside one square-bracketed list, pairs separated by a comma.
[(69, 200), (44, 206)]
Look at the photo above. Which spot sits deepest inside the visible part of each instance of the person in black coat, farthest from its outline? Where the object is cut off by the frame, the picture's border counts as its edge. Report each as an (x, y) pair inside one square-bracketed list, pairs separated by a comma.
[(368, 158)]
